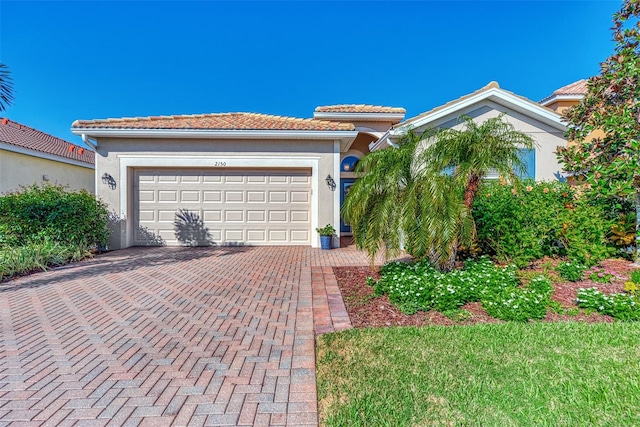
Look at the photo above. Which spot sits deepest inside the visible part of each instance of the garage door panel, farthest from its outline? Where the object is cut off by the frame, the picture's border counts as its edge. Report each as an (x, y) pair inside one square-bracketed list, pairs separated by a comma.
[(167, 196), (278, 216), (278, 236), (190, 179), (234, 179), (256, 196), (256, 236), (277, 196), (300, 236), (234, 216), (236, 196), (167, 178), (299, 197), (256, 216), (257, 179), (212, 215), (166, 216), (300, 216), (190, 196), (213, 196), (231, 206)]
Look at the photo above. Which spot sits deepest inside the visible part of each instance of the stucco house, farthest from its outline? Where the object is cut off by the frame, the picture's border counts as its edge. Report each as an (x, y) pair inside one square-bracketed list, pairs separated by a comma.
[(256, 179), (29, 156)]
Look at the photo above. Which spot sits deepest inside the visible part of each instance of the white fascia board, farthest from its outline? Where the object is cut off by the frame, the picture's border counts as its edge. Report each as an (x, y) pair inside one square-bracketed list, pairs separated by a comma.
[(380, 143), (356, 117), (214, 134), (554, 98), (518, 104), (46, 156)]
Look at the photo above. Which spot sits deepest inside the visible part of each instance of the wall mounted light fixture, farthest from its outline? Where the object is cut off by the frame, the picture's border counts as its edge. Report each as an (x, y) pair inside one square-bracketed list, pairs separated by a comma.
[(331, 183), (108, 180)]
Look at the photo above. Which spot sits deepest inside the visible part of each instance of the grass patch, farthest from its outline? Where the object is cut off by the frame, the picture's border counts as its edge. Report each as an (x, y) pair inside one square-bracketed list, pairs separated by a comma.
[(513, 374)]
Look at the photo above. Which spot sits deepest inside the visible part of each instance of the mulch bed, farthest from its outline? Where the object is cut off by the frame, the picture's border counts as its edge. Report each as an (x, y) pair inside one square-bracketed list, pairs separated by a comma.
[(369, 311)]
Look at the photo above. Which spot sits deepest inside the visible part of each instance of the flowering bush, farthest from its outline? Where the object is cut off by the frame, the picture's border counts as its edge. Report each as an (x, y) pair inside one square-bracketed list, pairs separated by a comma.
[(600, 275), (420, 287), (520, 303), (571, 271), (619, 306)]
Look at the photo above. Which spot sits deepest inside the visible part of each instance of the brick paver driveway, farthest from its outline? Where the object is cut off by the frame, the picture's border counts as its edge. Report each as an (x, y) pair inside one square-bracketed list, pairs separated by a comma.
[(162, 336)]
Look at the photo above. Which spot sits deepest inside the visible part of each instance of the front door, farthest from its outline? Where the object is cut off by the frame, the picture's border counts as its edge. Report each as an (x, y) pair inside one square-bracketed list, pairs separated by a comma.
[(345, 185)]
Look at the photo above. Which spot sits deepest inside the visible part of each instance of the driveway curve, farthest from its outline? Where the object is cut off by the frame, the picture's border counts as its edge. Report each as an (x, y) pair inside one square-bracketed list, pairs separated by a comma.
[(162, 336)]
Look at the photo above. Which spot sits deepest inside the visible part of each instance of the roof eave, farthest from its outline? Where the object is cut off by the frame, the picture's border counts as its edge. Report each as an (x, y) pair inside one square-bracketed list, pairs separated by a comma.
[(215, 133), (46, 156), (350, 117), (496, 95), (554, 98)]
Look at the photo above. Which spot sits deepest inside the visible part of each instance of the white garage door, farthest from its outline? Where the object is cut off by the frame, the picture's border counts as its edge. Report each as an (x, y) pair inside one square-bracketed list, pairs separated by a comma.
[(222, 206)]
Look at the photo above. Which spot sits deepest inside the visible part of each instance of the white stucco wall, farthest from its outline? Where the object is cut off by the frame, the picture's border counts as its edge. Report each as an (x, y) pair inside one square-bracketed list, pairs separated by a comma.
[(119, 157), (547, 138)]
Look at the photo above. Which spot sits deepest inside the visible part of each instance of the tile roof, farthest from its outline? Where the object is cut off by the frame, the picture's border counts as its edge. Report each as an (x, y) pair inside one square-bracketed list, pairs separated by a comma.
[(216, 121), (22, 136), (359, 108), (575, 88)]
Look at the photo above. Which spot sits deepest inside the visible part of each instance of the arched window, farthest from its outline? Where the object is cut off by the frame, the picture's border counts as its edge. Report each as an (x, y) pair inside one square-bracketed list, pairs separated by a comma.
[(348, 164)]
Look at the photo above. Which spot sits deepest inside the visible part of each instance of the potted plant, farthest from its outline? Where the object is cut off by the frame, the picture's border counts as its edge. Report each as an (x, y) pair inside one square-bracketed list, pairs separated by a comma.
[(326, 234)]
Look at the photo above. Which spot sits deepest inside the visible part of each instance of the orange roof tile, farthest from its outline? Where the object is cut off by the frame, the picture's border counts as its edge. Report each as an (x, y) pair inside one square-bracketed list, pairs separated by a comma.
[(14, 133), (575, 88), (359, 108), (215, 121)]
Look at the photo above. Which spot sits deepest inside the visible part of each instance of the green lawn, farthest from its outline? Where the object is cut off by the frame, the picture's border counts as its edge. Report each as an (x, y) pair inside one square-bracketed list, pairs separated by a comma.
[(513, 374)]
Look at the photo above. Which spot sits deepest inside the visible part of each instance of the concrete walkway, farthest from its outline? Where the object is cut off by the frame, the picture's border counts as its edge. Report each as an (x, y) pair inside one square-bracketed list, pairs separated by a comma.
[(170, 336)]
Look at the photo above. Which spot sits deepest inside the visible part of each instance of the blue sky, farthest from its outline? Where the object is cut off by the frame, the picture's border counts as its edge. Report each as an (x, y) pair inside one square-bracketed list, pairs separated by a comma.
[(88, 59)]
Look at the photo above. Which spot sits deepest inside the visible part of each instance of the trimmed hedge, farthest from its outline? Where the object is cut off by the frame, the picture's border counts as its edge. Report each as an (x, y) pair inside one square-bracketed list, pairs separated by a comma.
[(51, 213), (523, 224)]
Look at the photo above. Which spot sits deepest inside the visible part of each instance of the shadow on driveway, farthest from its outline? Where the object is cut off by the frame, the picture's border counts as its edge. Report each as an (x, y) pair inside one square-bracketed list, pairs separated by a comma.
[(119, 261)]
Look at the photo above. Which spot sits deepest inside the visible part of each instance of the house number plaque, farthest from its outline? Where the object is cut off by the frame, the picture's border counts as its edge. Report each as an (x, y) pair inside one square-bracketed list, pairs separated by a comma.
[(220, 164)]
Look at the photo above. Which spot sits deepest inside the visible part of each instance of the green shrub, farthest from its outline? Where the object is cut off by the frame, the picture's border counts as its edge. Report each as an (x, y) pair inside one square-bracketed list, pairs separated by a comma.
[(520, 225), (635, 276), (51, 213), (620, 306), (38, 256), (420, 287), (571, 271)]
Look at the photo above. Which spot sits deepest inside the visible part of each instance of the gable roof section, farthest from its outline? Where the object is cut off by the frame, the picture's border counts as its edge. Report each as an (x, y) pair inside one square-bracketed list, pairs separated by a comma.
[(491, 92), (359, 108), (573, 91), (215, 121), (23, 139)]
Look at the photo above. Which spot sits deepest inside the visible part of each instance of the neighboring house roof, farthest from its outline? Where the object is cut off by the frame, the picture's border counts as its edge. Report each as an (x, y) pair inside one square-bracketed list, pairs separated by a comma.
[(359, 108), (491, 92), (23, 139), (573, 91), (215, 121)]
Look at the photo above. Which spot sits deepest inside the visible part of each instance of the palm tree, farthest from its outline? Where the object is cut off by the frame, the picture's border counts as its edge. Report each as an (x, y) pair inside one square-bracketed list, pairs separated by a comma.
[(475, 150), (6, 87), (375, 204), (419, 196)]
